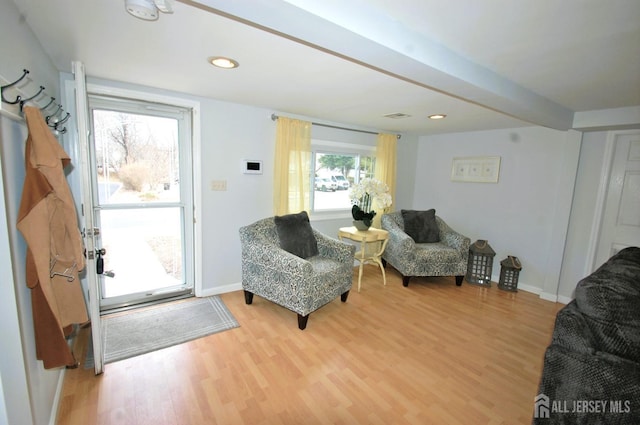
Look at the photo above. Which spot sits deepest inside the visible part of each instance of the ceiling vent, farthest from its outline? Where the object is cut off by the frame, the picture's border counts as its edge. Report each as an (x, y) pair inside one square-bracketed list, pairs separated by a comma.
[(397, 116)]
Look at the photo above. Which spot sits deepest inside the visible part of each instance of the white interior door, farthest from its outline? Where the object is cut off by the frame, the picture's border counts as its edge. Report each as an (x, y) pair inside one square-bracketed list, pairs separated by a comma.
[(82, 121), (620, 226)]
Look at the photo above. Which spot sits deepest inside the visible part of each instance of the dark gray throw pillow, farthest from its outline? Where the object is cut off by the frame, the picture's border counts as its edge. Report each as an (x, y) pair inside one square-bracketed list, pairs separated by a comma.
[(421, 225), (296, 235)]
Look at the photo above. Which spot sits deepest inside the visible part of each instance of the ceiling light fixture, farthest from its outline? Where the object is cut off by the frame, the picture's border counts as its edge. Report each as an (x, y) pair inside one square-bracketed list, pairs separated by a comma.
[(222, 62), (147, 9), (437, 116), (397, 115)]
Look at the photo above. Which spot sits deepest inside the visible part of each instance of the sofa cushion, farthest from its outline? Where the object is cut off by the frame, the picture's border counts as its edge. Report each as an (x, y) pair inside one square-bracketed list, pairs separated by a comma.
[(421, 225), (572, 331), (610, 300), (572, 376), (296, 235)]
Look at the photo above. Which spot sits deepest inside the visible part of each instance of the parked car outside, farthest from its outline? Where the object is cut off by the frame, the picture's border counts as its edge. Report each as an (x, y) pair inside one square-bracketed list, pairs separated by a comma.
[(325, 184), (341, 182)]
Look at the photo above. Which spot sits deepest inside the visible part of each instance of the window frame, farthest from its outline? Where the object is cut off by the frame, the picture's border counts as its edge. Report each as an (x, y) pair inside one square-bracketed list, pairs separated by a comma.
[(329, 147)]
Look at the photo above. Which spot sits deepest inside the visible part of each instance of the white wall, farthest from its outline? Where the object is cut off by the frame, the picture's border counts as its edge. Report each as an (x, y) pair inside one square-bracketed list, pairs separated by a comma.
[(406, 170), (231, 133), (29, 390), (576, 261), (525, 214), (12, 363)]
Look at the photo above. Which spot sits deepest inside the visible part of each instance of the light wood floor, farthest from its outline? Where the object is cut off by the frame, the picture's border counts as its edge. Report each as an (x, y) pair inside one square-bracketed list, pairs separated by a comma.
[(432, 353)]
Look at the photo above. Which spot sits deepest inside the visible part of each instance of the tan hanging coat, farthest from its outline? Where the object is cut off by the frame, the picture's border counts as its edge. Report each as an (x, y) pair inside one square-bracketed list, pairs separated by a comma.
[(47, 220)]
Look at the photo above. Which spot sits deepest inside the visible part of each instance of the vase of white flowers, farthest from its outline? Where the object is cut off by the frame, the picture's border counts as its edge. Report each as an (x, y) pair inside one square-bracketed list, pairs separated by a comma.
[(362, 195)]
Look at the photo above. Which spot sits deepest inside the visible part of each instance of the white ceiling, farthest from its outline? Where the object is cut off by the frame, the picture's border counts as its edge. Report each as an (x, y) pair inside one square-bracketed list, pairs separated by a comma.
[(487, 64)]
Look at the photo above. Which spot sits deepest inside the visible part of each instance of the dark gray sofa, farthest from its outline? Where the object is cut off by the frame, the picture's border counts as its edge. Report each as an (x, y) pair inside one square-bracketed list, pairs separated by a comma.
[(591, 372)]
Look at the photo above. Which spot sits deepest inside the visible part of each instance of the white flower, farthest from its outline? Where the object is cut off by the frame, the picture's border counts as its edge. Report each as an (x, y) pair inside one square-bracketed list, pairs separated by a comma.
[(367, 190), (384, 200)]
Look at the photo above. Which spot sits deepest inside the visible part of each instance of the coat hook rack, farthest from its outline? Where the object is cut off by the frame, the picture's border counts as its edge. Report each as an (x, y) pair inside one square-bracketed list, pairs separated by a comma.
[(24, 74), (53, 120)]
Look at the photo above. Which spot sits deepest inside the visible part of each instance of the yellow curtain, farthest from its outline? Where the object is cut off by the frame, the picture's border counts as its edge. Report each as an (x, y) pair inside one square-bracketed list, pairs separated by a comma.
[(386, 168), (291, 177)]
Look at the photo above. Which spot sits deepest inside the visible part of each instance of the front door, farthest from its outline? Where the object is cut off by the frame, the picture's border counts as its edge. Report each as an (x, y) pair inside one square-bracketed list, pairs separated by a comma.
[(620, 226), (142, 200)]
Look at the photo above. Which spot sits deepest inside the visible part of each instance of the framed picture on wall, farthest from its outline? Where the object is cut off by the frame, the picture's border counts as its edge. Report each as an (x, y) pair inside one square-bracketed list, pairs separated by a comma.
[(476, 169)]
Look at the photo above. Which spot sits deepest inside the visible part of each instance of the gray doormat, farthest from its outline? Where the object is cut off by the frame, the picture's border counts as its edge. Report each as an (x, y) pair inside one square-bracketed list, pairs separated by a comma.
[(151, 329)]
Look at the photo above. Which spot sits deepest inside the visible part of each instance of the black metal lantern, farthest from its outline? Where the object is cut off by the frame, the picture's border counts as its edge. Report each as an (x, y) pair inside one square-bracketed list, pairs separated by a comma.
[(509, 272), (480, 263)]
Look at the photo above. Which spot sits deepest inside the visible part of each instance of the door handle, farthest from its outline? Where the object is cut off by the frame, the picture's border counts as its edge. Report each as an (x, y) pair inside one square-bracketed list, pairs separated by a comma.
[(98, 253), (99, 260), (99, 264)]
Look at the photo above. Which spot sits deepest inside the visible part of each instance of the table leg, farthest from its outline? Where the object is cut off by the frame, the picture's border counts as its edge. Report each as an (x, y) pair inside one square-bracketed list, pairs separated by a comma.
[(360, 274), (363, 255), (384, 276)]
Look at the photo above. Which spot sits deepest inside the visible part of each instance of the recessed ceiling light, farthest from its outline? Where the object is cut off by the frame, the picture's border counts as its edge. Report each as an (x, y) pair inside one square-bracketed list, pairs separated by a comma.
[(222, 62), (437, 116)]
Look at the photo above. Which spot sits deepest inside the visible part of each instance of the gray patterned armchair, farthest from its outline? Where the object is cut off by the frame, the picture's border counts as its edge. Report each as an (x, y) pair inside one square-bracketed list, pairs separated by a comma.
[(447, 257), (298, 284)]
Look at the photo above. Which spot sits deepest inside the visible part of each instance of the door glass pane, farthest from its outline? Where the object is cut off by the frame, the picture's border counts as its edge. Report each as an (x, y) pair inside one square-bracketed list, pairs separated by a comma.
[(142, 202), (143, 250), (136, 158)]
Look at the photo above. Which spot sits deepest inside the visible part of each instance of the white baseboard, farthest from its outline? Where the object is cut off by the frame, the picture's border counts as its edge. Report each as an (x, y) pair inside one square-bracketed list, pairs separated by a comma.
[(555, 298), (217, 290), (544, 295), (529, 288), (524, 287), (564, 300), (548, 296)]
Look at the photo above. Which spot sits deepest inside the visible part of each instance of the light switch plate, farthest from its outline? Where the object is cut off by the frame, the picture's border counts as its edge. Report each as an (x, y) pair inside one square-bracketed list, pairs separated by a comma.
[(219, 185)]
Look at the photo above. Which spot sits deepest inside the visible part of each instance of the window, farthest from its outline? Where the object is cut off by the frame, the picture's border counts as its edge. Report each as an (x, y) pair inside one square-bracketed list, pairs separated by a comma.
[(337, 166)]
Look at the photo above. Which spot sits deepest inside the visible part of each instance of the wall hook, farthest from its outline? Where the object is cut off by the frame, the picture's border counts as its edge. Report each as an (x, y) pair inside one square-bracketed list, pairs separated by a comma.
[(62, 121), (23, 101), (53, 99), (54, 113), (24, 74)]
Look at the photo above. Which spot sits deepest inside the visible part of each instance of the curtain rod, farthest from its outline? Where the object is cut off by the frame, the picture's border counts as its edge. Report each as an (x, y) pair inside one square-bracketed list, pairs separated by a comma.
[(275, 117)]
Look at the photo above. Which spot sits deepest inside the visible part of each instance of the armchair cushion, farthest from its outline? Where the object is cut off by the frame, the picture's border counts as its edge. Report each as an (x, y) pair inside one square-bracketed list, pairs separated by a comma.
[(296, 235), (421, 225)]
